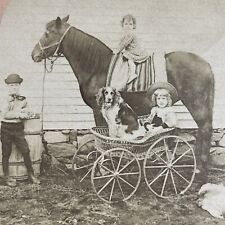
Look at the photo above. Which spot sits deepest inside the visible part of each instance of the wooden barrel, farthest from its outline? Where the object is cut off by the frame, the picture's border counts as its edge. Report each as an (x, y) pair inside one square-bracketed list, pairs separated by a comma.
[(17, 169)]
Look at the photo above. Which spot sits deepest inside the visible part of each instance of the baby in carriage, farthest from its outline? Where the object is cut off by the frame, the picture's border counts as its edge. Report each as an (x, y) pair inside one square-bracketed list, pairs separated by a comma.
[(162, 115)]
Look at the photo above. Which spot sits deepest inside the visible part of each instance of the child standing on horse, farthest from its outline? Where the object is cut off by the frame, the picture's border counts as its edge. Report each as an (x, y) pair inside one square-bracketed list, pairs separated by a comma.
[(12, 129), (129, 46)]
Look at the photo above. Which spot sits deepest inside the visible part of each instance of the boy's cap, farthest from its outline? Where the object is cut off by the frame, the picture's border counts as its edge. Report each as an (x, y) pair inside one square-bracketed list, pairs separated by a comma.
[(13, 79)]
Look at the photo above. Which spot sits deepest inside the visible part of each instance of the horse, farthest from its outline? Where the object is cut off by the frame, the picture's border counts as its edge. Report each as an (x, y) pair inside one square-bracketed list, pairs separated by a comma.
[(90, 58)]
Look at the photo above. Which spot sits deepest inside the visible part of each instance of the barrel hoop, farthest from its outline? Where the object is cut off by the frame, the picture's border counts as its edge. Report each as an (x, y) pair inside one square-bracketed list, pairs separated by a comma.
[(22, 163)]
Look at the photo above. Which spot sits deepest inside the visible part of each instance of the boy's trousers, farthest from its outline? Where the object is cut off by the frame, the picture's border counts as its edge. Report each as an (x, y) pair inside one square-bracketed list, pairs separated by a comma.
[(14, 133)]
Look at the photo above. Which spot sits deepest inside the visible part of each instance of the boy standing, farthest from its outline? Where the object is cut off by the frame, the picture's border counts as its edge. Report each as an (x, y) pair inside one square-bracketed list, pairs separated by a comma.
[(12, 129)]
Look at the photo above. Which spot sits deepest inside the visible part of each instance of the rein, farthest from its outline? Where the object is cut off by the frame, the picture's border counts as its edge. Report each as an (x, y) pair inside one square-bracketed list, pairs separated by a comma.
[(53, 58), (46, 70)]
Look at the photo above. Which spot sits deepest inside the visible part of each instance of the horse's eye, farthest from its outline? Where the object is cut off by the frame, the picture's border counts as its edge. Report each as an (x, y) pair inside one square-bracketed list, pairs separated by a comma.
[(106, 92)]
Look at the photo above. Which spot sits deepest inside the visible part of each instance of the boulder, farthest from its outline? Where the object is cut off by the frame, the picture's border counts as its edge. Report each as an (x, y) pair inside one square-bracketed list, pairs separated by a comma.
[(217, 155), (59, 150)]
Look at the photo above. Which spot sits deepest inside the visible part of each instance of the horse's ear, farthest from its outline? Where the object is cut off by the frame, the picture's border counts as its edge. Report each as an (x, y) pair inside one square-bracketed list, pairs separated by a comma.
[(65, 19), (58, 22)]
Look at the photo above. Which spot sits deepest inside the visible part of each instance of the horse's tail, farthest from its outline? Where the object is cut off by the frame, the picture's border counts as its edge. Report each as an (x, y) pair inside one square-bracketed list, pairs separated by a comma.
[(211, 93)]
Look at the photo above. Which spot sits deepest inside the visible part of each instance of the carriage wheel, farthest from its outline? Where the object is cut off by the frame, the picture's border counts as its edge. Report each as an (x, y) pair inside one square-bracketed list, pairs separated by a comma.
[(83, 161), (169, 166), (116, 175)]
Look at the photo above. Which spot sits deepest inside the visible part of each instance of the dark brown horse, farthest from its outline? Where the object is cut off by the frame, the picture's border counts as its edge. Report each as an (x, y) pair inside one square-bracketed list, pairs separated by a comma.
[(90, 59)]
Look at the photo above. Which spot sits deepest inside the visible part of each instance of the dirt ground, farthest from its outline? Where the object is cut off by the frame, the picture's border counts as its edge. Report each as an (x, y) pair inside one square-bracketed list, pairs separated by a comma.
[(59, 200)]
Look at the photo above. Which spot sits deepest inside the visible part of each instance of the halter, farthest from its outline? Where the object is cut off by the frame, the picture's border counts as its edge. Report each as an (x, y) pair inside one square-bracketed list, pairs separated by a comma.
[(58, 43)]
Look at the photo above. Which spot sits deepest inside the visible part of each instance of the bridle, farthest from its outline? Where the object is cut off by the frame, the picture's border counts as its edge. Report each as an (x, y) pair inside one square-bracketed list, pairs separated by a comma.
[(56, 54)]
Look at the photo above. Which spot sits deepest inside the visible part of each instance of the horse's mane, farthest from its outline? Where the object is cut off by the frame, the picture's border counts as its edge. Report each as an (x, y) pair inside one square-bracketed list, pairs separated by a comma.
[(92, 54)]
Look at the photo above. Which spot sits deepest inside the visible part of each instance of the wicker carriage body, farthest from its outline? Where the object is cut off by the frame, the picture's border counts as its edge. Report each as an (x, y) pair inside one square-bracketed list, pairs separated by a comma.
[(139, 147)]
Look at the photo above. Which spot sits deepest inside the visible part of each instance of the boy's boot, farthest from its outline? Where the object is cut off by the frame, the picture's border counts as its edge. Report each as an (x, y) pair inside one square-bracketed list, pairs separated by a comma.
[(11, 182), (33, 179)]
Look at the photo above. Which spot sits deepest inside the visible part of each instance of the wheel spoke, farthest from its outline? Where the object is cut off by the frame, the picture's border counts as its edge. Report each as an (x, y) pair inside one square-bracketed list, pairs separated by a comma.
[(107, 183), (118, 166), (175, 149), (114, 169), (173, 181), (86, 174), (166, 148), (126, 182), (105, 168), (158, 176), (181, 156), (180, 175), (112, 189), (85, 166), (158, 156), (164, 183), (105, 176), (131, 173), (126, 165), (156, 167), (183, 166), (118, 182)]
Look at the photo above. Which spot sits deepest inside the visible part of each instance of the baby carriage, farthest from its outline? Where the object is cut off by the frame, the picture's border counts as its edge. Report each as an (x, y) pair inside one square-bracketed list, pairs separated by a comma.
[(165, 160)]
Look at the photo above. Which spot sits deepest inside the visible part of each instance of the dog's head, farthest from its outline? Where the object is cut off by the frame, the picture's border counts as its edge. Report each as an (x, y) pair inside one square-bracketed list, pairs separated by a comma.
[(107, 96)]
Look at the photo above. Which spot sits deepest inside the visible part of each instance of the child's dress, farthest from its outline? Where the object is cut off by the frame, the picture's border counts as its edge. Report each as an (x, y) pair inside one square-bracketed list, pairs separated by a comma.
[(130, 70), (131, 49), (165, 118)]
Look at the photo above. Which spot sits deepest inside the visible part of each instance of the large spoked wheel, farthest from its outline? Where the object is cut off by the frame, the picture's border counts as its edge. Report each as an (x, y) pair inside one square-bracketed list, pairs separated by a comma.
[(169, 166), (116, 175), (83, 161)]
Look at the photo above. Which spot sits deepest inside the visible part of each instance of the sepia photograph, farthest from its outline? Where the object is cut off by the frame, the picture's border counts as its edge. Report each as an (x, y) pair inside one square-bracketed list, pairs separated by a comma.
[(112, 112)]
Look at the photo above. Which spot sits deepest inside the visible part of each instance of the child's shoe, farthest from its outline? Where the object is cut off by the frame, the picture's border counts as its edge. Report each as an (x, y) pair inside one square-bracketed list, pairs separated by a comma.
[(33, 179), (11, 182)]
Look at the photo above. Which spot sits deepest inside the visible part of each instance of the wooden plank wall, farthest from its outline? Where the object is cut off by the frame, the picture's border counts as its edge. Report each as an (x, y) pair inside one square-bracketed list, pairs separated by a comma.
[(162, 26)]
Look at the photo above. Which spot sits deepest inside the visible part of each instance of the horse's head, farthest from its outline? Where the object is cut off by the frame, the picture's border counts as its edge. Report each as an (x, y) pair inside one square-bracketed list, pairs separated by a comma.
[(50, 41)]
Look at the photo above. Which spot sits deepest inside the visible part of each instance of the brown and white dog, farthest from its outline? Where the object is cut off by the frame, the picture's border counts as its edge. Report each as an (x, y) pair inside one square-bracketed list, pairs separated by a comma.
[(121, 119)]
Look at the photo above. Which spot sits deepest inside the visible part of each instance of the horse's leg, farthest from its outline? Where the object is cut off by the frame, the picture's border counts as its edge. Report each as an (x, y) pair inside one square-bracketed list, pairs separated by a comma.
[(203, 143), (99, 120)]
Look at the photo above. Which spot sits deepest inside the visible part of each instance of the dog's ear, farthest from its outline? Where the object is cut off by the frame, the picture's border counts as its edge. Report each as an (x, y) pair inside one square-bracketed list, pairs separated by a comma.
[(117, 97), (100, 96)]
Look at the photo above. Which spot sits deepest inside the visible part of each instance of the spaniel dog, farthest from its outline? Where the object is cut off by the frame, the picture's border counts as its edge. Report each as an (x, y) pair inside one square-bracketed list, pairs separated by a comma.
[(121, 119)]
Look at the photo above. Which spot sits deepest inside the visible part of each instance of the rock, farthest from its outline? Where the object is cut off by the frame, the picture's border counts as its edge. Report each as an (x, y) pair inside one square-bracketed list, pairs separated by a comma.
[(222, 141), (56, 137), (83, 132), (75, 144), (50, 165), (65, 131), (61, 149), (217, 156), (216, 136)]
